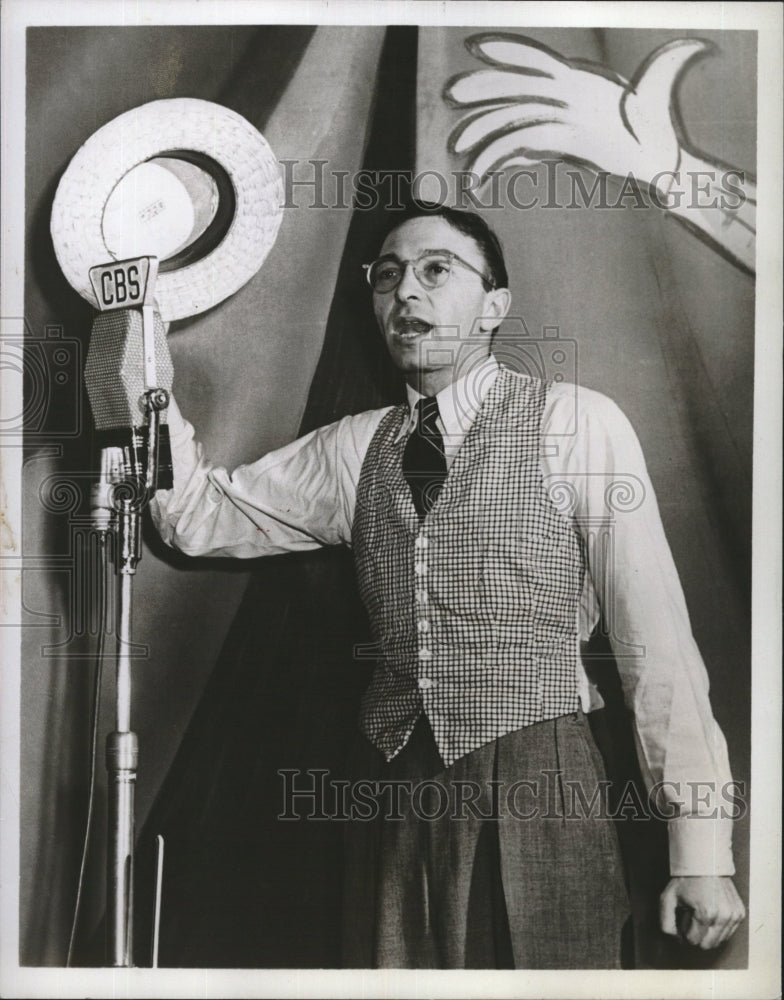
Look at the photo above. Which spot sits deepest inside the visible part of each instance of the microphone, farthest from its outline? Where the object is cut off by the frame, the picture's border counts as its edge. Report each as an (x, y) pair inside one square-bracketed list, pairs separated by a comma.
[(114, 370), (128, 356)]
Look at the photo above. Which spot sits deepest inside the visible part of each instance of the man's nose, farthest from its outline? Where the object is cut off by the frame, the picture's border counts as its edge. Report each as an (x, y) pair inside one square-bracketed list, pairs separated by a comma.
[(409, 286)]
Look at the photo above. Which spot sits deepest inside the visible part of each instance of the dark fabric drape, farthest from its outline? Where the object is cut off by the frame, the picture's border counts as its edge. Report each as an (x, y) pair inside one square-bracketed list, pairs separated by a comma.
[(242, 888), (243, 371), (285, 691)]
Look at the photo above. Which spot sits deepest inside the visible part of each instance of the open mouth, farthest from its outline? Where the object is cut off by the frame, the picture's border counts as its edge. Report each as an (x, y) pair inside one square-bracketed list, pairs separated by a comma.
[(411, 326)]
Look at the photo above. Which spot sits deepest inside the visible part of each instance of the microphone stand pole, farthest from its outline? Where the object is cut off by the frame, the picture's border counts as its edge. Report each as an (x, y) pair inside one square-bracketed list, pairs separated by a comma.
[(122, 749), (122, 754)]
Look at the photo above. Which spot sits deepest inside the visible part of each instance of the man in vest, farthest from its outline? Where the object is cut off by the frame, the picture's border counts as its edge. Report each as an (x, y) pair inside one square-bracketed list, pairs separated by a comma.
[(477, 557)]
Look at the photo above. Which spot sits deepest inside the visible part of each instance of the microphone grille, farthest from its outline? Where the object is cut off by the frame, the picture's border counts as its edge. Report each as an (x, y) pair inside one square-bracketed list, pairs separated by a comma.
[(114, 371)]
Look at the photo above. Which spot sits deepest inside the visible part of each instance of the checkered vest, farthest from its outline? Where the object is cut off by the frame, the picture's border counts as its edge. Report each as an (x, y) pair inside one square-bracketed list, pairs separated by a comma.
[(475, 612)]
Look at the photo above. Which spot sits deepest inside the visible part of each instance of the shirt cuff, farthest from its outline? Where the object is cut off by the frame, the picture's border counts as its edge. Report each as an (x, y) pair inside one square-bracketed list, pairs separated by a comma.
[(700, 845)]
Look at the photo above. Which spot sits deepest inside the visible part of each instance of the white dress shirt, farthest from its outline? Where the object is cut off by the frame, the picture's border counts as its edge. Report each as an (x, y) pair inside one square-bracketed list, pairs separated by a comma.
[(302, 496)]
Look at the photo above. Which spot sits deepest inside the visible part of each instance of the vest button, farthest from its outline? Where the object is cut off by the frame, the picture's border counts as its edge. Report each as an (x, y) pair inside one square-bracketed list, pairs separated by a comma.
[(425, 683), (421, 541), (425, 654), (423, 625), (420, 568)]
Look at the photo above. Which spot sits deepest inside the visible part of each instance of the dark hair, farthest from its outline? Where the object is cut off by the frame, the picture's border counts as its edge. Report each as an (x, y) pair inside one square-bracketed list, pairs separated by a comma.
[(469, 224)]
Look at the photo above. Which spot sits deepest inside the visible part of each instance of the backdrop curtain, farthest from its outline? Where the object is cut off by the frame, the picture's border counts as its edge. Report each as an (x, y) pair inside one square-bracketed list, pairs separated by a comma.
[(242, 376), (664, 326)]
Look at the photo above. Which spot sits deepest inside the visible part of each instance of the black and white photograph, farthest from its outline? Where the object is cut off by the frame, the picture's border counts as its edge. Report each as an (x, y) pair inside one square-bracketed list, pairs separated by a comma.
[(391, 499)]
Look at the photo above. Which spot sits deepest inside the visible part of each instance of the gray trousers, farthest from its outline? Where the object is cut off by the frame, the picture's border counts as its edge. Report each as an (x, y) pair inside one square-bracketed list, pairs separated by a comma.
[(499, 861)]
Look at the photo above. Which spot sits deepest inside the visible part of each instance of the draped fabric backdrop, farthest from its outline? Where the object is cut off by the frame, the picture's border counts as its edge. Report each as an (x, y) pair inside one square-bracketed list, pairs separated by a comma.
[(244, 669)]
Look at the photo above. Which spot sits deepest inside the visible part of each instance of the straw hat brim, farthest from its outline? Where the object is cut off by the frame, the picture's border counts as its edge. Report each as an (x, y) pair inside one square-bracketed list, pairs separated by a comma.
[(157, 129)]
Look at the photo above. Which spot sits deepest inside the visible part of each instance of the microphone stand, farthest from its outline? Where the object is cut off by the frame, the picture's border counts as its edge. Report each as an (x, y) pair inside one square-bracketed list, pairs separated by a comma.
[(119, 501), (122, 752)]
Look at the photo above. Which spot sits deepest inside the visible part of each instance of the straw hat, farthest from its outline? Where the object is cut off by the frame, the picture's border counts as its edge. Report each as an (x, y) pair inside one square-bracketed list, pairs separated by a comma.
[(185, 180)]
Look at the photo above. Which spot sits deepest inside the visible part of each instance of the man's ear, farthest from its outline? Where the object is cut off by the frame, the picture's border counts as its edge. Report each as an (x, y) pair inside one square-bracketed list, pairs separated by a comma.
[(497, 303)]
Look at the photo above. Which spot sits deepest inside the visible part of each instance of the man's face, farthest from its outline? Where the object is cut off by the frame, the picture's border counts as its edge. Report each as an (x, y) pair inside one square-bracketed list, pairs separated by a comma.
[(413, 317)]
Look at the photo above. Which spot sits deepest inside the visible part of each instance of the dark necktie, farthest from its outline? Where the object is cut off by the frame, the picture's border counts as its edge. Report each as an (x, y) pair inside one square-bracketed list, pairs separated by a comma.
[(424, 463)]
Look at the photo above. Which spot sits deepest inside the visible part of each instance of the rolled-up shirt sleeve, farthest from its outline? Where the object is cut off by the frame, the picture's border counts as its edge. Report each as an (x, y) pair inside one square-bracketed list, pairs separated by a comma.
[(297, 497), (681, 749)]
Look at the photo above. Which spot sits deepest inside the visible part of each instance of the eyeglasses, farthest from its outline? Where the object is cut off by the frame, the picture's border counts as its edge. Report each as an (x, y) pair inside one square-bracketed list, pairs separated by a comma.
[(432, 269)]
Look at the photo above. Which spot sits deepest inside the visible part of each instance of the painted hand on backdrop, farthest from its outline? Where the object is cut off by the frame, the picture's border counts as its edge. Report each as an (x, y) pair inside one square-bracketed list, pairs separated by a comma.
[(558, 107), (535, 105)]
